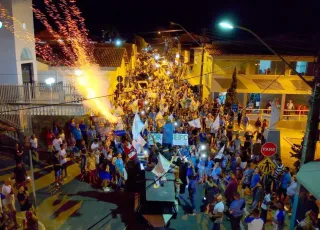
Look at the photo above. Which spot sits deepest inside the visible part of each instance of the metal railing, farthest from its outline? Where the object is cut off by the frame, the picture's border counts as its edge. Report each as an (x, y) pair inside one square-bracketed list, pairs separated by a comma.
[(299, 115), (39, 93)]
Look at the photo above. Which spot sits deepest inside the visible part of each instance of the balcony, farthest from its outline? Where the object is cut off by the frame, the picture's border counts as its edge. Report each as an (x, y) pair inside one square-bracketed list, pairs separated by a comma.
[(39, 93)]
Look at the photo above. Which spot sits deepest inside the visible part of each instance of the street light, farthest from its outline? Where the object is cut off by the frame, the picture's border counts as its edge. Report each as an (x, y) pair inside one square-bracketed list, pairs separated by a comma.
[(118, 42), (49, 81), (202, 56), (310, 138)]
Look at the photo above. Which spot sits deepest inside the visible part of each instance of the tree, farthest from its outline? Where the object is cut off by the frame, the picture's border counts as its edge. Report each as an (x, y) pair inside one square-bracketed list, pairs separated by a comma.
[(231, 97)]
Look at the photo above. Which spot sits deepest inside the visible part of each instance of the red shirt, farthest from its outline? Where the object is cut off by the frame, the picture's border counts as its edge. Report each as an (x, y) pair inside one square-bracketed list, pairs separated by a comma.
[(127, 150), (50, 137)]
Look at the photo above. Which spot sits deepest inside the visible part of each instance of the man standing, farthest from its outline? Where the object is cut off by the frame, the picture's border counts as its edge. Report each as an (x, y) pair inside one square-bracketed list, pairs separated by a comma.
[(290, 107), (254, 221), (231, 189), (237, 143), (217, 213), (236, 211), (285, 182), (63, 160), (50, 137), (56, 143), (9, 201), (77, 135), (245, 122)]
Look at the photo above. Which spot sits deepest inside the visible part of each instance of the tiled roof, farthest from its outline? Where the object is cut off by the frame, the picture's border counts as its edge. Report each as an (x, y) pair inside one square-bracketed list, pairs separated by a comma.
[(104, 56), (109, 56)]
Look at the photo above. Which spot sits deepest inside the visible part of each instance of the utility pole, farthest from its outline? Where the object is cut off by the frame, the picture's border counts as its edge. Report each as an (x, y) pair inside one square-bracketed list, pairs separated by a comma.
[(201, 73), (311, 135), (201, 67)]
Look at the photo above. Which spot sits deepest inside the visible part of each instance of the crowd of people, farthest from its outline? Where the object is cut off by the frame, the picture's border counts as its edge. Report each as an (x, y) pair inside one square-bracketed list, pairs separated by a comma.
[(218, 159)]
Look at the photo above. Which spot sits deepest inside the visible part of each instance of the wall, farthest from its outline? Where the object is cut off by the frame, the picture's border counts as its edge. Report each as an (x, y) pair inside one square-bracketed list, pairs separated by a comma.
[(7, 52), (22, 11)]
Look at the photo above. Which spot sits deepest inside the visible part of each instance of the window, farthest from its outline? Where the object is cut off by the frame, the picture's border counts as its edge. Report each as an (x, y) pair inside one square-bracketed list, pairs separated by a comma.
[(264, 66), (24, 26)]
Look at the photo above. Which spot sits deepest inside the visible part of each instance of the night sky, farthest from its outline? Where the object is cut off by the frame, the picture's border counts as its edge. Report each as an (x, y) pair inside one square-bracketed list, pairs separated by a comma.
[(268, 17)]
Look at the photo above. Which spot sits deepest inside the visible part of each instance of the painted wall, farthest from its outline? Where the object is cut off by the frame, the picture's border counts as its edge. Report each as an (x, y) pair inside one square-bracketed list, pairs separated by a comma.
[(13, 42)]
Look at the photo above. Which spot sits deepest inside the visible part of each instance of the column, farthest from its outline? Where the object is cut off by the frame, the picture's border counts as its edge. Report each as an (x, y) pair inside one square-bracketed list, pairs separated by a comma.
[(245, 100), (283, 104)]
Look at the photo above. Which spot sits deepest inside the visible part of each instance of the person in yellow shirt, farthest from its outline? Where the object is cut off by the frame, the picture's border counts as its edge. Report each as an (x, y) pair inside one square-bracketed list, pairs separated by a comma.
[(91, 168)]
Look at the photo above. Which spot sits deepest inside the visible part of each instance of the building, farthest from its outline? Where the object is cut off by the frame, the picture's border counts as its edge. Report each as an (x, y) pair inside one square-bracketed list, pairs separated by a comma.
[(261, 76), (26, 95)]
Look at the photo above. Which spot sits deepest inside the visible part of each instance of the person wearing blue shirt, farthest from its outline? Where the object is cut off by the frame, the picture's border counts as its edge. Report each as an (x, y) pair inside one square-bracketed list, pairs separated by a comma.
[(285, 182), (279, 217), (192, 192), (216, 172), (201, 168), (209, 166), (236, 211), (254, 181), (77, 135)]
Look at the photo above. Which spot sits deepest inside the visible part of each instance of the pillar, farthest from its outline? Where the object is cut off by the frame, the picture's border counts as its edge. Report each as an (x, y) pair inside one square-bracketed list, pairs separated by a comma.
[(282, 105), (245, 100)]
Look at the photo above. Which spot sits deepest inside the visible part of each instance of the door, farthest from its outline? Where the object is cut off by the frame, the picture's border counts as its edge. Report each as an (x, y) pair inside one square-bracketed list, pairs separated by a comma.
[(28, 81)]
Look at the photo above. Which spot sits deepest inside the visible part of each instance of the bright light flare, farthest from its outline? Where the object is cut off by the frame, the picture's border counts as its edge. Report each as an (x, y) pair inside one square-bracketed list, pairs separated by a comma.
[(118, 42), (226, 25), (156, 57), (50, 81), (157, 65), (177, 55), (203, 147)]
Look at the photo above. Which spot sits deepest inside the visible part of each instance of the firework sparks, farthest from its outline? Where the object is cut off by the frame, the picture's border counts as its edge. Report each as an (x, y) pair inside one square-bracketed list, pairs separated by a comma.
[(70, 31)]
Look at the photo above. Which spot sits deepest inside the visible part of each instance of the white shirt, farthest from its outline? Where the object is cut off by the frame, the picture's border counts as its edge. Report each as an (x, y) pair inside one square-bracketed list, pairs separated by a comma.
[(265, 201), (292, 189), (237, 143), (34, 143), (95, 146), (218, 208), (56, 144), (63, 158), (6, 190), (256, 224)]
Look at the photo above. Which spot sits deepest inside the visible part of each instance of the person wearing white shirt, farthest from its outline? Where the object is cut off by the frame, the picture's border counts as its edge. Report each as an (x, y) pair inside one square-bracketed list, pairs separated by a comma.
[(63, 159), (57, 142), (292, 189), (95, 145), (9, 201), (34, 146), (217, 212), (254, 221)]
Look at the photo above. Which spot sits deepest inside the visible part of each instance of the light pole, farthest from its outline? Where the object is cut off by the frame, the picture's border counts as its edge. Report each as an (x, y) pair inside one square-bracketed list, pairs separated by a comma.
[(202, 57), (311, 134)]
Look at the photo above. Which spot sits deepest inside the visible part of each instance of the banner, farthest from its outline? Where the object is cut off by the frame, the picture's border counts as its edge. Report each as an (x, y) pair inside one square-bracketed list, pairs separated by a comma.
[(180, 139), (157, 138), (137, 126)]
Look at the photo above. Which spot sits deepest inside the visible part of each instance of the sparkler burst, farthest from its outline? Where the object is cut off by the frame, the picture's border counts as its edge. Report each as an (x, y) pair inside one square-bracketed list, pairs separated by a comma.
[(64, 22)]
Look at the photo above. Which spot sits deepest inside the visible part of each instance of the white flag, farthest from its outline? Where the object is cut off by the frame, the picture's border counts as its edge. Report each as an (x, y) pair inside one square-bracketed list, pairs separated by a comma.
[(216, 124), (220, 153), (195, 123), (138, 144), (171, 117), (145, 125), (137, 126), (162, 167)]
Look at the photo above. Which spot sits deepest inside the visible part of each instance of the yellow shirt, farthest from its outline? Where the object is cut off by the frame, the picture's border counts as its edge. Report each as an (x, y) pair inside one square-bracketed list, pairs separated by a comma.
[(91, 163)]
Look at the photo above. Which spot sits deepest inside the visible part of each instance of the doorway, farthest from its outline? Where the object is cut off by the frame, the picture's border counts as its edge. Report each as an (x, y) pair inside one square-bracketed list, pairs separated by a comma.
[(28, 80)]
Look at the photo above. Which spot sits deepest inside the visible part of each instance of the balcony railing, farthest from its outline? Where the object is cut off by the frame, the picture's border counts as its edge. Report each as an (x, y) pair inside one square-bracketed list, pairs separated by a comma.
[(299, 115), (38, 93)]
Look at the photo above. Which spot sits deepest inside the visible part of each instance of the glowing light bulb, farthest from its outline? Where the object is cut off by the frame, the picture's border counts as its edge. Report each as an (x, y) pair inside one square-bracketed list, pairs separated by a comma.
[(78, 72)]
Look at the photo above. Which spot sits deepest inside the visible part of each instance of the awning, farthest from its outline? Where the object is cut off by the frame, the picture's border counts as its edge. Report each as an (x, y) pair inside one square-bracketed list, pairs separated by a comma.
[(307, 176), (267, 84)]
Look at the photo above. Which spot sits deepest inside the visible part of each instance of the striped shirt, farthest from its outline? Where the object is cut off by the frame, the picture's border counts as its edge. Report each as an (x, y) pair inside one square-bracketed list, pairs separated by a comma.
[(278, 171)]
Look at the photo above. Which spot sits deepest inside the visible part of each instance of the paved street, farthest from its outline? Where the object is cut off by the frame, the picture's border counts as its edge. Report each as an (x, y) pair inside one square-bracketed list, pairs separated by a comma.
[(79, 206)]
